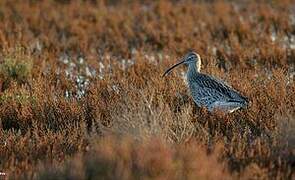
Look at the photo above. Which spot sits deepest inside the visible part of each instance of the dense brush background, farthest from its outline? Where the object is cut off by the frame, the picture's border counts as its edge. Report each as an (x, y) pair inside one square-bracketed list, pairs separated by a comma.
[(82, 95)]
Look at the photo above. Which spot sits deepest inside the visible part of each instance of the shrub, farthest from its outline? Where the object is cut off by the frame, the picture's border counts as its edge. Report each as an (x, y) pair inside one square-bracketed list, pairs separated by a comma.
[(15, 66)]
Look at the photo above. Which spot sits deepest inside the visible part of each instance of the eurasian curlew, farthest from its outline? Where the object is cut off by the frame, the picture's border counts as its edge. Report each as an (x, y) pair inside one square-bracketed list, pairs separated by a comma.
[(208, 91)]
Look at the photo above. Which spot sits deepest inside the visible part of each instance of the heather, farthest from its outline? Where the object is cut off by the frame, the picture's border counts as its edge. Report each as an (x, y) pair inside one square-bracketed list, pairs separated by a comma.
[(82, 95)]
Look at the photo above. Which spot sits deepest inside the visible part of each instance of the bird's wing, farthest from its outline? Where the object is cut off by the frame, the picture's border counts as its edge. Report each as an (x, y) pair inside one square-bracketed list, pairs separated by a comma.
[(204, 96), (216, 89)]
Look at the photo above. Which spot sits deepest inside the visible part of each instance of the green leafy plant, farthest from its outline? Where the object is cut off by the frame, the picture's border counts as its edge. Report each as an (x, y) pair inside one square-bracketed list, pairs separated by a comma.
[(16, 66)]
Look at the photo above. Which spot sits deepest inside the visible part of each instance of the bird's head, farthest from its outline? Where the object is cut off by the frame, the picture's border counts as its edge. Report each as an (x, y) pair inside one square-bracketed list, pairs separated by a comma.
[(191, 58)]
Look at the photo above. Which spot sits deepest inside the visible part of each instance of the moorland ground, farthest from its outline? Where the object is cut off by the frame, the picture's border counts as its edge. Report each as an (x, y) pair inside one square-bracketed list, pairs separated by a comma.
[(82, 95)]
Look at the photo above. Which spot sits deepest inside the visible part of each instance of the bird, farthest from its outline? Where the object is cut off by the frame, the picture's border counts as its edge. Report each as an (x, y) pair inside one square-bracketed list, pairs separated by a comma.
[(208, 91)]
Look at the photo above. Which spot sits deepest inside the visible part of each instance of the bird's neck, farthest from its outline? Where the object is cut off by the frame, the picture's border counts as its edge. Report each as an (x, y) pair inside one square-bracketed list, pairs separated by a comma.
[(193, 69)]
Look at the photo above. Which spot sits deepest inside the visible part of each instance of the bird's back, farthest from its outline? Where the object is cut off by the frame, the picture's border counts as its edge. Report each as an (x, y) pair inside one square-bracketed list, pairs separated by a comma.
[(214, 94)]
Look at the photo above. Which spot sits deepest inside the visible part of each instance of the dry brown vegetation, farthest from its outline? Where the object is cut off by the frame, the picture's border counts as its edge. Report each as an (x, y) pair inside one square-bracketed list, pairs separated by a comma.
[(82, 95)]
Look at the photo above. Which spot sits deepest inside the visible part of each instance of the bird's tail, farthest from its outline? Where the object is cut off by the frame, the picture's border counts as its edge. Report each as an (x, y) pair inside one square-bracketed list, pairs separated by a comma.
[(244, 102)]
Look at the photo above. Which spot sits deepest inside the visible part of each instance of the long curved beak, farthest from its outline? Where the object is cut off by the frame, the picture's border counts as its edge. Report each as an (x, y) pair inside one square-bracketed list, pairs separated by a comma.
[(170, 69)]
